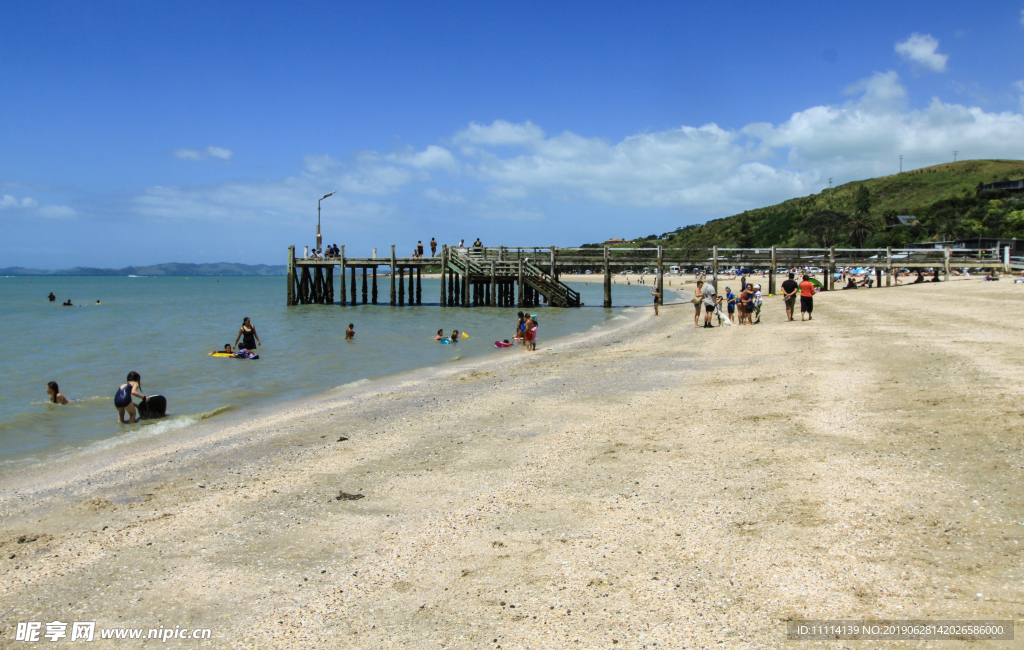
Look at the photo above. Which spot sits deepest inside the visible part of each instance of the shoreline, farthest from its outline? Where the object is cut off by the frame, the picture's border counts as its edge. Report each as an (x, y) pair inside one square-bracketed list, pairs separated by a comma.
[(108, 454), (655, 483)]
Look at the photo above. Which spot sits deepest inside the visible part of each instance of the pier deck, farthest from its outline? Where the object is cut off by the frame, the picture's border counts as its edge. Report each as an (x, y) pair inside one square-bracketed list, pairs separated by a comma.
[(530, 276)]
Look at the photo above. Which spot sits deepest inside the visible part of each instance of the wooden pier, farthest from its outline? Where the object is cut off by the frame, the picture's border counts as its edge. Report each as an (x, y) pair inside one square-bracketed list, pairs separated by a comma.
[(530, 276)]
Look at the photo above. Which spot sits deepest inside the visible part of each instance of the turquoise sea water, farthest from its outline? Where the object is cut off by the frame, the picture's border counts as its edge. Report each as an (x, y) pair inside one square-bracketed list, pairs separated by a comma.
[(164, 327)]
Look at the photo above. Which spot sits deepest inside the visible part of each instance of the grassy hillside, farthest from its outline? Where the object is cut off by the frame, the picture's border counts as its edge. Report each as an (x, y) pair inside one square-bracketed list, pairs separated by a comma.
[(174, 268), (944, 198)]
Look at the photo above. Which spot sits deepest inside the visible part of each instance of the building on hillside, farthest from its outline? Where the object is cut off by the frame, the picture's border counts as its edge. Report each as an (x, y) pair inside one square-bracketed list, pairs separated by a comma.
[(618, 241), (1004, 186), (1016, 246), (901, 220)]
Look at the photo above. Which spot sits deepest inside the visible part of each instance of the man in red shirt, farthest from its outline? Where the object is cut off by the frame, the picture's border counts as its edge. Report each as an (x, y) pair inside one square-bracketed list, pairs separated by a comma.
[(806, 298)]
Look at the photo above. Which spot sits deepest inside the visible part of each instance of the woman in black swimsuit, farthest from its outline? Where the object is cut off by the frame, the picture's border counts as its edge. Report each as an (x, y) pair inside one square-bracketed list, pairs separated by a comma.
[(247, 334)]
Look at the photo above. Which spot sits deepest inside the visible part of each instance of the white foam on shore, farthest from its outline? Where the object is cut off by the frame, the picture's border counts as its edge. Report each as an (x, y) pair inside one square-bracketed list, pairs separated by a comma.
[(353, 384)]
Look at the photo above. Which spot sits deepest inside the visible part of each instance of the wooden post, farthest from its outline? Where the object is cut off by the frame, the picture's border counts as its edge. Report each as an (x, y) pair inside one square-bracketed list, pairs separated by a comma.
[(394, 297), (374, 295), (493, 298), (305, 286), (522, 296), (1006, 261), (607, 279), (291, 276), (714, 268), (401, 288), (771, 275), (945, 263), (878, 277), (419, 285), (342, 295), (661, 276), (466, 300), (444, 274), (832, 268), (355, 298), (888, 262), (366, 288), (329, 285)]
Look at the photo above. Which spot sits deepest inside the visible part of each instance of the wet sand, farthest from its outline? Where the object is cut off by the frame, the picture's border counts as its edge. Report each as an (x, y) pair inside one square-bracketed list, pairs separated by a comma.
[(658, 485)]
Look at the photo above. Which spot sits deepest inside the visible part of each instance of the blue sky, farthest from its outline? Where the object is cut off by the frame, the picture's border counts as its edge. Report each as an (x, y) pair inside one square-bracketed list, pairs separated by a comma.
[(137, 133)]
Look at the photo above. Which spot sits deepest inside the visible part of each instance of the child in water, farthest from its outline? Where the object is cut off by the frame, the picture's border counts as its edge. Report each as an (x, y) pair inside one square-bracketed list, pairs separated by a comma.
[(123, 398), (53, 390), (455, 336), (440, 335), (350, 333)]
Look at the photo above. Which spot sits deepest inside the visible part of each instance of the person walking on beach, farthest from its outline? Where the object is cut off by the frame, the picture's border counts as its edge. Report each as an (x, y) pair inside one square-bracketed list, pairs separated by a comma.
[(53, 390), (247, 334), (350, 333), (657, 296), (697, 300), (789, 289), (806, 298), (709, 294), (123, 398), (433, 247)]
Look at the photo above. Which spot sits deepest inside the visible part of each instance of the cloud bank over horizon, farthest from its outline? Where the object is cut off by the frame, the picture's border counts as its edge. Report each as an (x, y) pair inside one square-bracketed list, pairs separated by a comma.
[(517, 171)]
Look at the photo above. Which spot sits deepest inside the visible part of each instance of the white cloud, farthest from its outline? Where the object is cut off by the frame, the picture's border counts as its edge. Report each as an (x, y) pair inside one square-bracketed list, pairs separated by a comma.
[(205, 154), (499, 133), (57, 212), (921, 49), (8, 202), (438, 196), (517, 172)]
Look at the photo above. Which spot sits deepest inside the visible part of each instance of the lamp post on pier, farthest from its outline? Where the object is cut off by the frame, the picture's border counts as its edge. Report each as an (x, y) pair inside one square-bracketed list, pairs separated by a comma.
[(318, 246)]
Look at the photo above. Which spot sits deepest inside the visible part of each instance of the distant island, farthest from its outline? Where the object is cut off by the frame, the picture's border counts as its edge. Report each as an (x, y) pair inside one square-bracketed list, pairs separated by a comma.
[(174, 268)]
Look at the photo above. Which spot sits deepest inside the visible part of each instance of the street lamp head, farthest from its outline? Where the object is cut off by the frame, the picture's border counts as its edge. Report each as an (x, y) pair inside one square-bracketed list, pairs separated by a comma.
[(326, 195)]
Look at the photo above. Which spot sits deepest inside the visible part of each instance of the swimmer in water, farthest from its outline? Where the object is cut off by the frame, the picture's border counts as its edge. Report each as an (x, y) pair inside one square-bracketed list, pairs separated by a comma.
[(350, 333), (53, 390), (227, 350), (440, 335), (247, 333), (123, 398), (455, 336)]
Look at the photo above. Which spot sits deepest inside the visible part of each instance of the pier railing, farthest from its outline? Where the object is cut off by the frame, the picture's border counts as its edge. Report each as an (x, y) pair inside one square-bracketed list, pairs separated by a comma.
[(530, 275)]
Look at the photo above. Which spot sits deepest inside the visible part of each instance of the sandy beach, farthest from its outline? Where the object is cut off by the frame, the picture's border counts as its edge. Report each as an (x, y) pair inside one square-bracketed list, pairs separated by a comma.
[(657, 485)]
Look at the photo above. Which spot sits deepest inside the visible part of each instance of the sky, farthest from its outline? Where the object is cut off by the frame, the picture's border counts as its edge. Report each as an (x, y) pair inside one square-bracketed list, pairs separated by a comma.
[(143, 133)]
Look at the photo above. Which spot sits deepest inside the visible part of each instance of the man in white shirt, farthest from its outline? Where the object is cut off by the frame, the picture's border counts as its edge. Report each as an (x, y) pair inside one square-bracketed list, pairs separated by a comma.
[(709, 294)]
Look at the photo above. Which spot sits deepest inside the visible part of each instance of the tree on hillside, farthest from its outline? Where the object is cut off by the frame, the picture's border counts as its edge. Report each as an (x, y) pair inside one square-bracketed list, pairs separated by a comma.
[(862, 202), (826, 226), (859, 228), (745, 237)]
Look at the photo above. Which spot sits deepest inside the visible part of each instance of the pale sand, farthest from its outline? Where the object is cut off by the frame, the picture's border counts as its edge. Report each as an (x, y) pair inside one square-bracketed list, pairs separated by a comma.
[(658, 484)]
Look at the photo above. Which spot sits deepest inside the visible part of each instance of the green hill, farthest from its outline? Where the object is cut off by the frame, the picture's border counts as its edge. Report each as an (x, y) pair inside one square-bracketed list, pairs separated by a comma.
[(174, 268), (945, 199)]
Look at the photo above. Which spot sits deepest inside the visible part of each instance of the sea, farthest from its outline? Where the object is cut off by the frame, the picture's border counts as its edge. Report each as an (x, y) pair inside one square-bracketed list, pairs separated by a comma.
[(164, 328)]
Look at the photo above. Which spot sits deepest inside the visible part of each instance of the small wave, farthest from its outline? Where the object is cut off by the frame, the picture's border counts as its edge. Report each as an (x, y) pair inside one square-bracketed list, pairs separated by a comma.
[(353, 384), (628, 310), (620, 317), (455, 358)]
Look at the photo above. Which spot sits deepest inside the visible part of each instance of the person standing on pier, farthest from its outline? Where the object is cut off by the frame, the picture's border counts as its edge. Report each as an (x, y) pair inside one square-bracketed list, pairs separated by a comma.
[(419, 248), (433, 247)]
